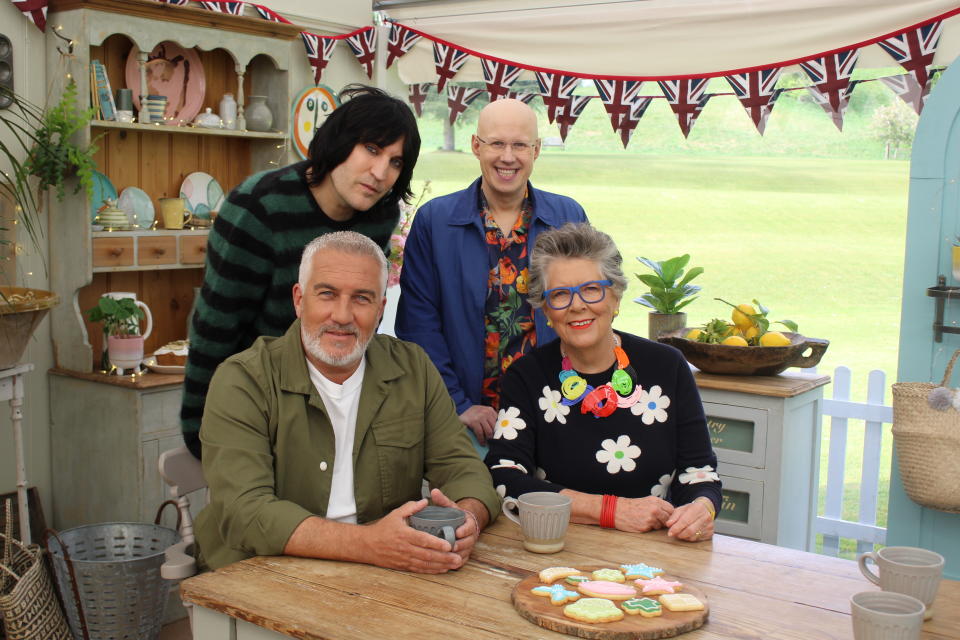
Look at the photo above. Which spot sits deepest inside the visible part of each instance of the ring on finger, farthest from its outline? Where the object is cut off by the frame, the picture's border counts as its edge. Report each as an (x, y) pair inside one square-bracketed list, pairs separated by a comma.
[(699, 533)]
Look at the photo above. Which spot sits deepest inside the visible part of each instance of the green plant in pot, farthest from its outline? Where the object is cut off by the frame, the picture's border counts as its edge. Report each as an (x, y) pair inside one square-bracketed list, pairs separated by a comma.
[(121, 327), (670, 291)]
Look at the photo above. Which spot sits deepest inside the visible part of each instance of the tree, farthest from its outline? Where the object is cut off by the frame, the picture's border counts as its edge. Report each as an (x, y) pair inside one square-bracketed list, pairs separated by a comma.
[(894, 125)]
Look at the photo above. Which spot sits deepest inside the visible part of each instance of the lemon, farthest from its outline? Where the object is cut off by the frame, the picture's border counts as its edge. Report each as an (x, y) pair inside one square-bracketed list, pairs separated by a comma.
[(734, 341), (752, 332), (774, 339), (694, 334), (741, 316)]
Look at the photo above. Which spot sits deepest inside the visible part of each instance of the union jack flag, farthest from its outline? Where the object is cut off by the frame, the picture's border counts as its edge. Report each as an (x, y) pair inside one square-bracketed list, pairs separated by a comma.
[(319, 51), (831, 79), (364, 46), (459, 98), (178, 3), (824, 101), (568, 117), (448, 61), (400, 41), (269, 14), (914, 50), (757, 92), (36, 10), (555, 89), (618, 98), (906, 86), (523, 97), (499, 77), (416, 96), (233, 8), (687, 99)]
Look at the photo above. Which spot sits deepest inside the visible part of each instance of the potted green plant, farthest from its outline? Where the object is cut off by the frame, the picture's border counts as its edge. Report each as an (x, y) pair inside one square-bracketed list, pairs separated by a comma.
[(121, 326), (670, 291)]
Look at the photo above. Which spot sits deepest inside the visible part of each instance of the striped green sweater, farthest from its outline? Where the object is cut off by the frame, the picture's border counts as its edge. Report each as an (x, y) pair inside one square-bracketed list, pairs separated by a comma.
[(253, 258)]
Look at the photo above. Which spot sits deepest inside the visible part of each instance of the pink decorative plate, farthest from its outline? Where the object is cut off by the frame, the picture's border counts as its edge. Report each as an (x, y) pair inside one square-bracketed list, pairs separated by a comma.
[(174, 72)]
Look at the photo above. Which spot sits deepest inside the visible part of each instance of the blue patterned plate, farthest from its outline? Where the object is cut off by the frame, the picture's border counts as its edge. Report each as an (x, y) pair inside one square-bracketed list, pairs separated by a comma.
[(202, 193), (103, 189)]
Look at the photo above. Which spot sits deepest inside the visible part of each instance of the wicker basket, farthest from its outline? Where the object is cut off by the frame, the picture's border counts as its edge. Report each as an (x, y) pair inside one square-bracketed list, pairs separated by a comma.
[(113, 571), (28, 604), (927, 442)]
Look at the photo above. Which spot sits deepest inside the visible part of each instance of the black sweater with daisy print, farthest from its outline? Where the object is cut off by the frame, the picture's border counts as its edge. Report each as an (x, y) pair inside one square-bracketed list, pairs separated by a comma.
[(658, 446)]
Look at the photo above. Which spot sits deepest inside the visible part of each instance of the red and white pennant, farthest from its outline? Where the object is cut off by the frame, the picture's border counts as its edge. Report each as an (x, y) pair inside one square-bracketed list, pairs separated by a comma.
[(399, 42), (364, 46), (687, 98), (499, 77), (319, 51), (269, 14), (555, 88), (914, 51), (757, 92), (568, 117), (448, 61), (831, 82), (416, 96), (232, 8), (618, 98), (459, 98), (36, 10)]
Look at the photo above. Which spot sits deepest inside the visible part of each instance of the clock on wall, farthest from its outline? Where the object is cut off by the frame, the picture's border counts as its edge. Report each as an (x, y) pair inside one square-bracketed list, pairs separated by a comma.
[(310, 109)]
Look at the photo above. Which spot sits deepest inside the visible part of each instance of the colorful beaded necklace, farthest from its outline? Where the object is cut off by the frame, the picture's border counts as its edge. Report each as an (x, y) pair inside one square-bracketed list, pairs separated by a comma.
[(602, 401)]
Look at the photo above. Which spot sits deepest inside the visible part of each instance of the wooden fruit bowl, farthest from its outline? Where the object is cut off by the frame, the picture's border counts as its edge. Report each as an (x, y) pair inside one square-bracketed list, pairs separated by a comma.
[(747, 361)]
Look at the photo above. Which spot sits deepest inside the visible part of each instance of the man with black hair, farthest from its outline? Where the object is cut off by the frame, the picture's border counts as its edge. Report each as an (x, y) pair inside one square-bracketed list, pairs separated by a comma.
[(360, 166)]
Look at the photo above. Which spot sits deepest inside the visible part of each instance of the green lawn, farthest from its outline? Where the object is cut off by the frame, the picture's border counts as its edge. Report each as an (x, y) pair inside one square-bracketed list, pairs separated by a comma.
[(817, 240)]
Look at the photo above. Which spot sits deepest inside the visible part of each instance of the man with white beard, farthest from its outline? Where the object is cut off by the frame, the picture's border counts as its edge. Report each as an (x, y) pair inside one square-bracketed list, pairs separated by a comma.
[(316, 443)]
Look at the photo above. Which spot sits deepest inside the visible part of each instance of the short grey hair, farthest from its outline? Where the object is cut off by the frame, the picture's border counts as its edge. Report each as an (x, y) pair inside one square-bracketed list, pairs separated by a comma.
[(574, 241), (347, 242)]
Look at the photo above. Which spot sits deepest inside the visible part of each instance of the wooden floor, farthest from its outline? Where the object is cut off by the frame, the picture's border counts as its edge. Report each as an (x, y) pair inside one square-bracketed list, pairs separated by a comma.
[(179, 630)]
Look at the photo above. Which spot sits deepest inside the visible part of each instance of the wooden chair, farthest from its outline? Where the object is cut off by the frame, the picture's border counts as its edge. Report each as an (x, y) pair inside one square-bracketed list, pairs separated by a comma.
[(184, 474)]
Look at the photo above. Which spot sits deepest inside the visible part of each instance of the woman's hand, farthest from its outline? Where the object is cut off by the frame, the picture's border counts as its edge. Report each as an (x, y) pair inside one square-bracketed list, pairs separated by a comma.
[(692, 522), (642, 514)]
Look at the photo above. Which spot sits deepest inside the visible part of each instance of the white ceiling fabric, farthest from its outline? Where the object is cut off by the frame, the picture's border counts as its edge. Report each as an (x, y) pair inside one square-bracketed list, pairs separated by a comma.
[(665, 38)]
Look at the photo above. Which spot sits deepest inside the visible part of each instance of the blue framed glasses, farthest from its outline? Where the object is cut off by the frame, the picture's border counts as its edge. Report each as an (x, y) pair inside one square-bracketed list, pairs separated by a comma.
[(560, 298)]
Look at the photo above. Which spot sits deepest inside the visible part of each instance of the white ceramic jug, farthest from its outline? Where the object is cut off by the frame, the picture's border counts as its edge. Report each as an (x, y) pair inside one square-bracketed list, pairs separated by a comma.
[(120, 295)]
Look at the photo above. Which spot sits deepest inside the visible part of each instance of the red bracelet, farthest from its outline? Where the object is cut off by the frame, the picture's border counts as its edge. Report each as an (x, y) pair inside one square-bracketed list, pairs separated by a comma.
[(608, 512)]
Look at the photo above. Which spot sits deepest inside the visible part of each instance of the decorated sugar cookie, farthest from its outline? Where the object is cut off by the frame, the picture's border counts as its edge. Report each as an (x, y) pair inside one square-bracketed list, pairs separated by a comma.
[(681, 602), (552, 574), (557, 594), (610, 575), (593, 610), (646, 607), (656, 586), (605, 589), (640, 570), (575, 580)]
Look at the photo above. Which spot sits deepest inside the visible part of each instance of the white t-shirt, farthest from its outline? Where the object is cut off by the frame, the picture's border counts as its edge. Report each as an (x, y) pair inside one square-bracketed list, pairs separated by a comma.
[(341, 402)]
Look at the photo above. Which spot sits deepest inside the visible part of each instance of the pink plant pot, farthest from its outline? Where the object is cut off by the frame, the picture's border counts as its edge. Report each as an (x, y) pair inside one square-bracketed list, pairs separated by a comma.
[(125, 352)]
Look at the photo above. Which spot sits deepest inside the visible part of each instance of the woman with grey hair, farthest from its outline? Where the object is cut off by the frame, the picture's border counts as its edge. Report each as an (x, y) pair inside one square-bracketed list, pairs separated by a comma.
[(610, 419)]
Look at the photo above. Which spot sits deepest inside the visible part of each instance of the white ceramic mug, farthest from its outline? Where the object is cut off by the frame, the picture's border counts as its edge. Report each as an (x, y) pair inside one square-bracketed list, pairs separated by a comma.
[(909, 570), (883, 615), (543, 517)]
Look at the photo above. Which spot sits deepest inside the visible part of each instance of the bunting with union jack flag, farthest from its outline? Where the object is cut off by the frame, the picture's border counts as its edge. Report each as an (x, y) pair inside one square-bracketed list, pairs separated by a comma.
[(36, 10), (233, 8), (177, 3), (319, 51), (618, 97), (832, 86), (914, 50), (459, 98), (687, 98), (416, 95), (447, 60), (568, 116), (907, 89), (269, 14), (555, 89), (499, 77), (399, 42), (522, 96), (757, 92), (364, 46)]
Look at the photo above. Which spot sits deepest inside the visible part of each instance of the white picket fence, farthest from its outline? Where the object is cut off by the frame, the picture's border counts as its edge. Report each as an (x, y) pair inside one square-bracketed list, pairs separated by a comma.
[(846, 415)]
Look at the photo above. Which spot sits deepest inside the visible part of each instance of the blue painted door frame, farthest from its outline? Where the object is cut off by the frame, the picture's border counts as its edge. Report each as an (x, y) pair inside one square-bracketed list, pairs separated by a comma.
[(932, 226)]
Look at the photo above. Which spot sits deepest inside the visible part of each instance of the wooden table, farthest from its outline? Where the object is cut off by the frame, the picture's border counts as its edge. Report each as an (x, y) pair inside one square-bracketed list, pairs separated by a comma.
[(755, 591)]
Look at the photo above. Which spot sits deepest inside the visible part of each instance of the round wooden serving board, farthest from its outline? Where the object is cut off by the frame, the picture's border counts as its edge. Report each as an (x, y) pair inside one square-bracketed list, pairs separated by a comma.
[(538, 610)]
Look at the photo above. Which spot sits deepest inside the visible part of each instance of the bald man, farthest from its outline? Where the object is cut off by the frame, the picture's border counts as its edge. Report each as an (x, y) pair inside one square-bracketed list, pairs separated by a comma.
[(464, 278)]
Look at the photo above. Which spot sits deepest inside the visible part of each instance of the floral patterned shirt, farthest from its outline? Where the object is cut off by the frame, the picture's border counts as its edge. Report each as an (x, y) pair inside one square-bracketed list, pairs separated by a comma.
[(656, 443), (508, 317)]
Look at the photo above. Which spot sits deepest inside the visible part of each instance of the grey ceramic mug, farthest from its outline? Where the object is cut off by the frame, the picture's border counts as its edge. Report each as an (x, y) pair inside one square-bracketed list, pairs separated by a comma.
[(909, 570), (884, 615), (441, 522)]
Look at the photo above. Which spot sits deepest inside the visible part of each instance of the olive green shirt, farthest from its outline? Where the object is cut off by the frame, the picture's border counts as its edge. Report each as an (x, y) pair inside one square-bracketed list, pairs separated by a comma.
[(268, 445)]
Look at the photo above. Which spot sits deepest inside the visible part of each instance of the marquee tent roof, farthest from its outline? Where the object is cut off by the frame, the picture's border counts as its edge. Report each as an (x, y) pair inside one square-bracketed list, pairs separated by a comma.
[(660, 38)]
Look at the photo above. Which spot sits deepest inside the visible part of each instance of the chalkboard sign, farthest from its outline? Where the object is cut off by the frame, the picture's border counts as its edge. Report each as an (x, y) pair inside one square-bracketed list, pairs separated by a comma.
[(735, 506), (730, 433)]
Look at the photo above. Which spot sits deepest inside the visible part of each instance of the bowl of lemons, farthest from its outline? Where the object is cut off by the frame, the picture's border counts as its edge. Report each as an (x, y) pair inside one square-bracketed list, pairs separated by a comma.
[(748, 346)]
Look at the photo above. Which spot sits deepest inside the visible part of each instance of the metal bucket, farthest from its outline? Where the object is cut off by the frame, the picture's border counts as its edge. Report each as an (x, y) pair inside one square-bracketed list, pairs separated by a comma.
[(113, 571)]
